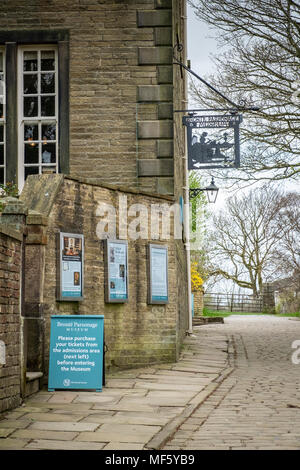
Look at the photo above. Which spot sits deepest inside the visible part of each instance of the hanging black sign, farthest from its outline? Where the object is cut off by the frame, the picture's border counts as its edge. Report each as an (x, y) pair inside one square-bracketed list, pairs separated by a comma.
[(214, 147)]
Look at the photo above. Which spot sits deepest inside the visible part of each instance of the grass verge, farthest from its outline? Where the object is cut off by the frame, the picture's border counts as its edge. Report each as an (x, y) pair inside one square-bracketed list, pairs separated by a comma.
[(220, 313)]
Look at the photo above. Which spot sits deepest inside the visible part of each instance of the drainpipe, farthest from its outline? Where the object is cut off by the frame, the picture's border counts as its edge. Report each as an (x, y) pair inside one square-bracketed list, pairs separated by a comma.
[(186, 191)]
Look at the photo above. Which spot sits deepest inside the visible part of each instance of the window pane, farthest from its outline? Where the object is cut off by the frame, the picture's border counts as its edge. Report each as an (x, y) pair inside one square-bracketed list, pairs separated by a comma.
[(1, 133), (47, 83), (30, 61), (1, 61), (31, 170), (31, 132), (49, 131), (1, 175), (30, 84), (49, 153), (30, 106), (31, 153), (48, 106), (1, 110), (1, 154), (47, 60), (48, 169)]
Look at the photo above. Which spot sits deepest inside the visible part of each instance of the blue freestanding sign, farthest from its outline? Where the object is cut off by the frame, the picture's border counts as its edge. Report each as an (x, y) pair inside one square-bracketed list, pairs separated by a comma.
[(76, 352)]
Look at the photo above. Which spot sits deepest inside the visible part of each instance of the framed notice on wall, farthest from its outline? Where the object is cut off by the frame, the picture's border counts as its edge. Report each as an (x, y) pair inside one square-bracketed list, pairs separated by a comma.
[(116, 267), (158, 274), (71, 266)]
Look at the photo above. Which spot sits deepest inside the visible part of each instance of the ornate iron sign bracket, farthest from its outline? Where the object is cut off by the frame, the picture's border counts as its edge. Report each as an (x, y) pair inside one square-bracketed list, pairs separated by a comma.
[(212, 149)]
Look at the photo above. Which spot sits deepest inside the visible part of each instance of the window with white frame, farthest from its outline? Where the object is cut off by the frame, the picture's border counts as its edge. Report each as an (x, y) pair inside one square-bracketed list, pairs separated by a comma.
[(38, 111), (2, 116)]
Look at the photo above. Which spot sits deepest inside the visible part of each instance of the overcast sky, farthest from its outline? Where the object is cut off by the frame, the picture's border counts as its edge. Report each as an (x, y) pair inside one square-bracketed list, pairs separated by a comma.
[(200, 44)]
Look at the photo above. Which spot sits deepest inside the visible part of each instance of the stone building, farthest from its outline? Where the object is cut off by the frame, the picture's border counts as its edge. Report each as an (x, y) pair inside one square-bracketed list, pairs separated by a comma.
[(87, 94)]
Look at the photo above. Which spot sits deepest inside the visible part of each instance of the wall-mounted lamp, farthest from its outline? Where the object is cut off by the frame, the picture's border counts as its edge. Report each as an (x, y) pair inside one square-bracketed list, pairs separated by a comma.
[(211, 192)]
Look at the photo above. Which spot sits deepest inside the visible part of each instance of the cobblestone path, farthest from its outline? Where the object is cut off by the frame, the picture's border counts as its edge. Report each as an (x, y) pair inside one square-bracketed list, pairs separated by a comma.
[(258, 405)]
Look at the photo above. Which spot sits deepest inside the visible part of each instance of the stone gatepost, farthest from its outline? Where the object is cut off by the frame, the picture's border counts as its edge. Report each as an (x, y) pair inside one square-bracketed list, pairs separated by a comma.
[(268, 298), (198, 303)]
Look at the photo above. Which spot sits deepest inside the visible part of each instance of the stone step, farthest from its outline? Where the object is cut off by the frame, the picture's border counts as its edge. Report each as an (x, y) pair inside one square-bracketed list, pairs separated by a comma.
[(205, 320), (32, 382)]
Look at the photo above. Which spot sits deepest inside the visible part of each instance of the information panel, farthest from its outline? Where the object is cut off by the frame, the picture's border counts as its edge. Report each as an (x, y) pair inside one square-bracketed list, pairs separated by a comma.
[(76, 352), (116, 279), (71, 256), (158, 274)]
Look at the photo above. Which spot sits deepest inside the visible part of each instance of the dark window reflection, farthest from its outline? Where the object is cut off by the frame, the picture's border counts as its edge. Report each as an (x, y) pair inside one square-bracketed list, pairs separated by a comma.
[(31, 153), (49, 131), (31, 132), (47, 60), (47, 83), (1, 154), (31, 170), (30, 61), (30, 106), (48, 153), (30, 84), (48, 105)]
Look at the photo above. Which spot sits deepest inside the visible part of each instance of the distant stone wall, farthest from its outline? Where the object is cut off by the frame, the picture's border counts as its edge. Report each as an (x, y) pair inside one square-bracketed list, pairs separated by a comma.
[(10, 338), (198, 303)]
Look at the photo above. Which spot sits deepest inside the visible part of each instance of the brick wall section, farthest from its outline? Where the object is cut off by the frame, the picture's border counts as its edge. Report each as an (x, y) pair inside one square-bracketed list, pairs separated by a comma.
[(10, 260)]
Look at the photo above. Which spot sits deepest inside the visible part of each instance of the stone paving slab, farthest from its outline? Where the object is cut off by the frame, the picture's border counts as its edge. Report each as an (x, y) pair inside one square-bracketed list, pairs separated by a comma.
[(138, 409), (251, 408)]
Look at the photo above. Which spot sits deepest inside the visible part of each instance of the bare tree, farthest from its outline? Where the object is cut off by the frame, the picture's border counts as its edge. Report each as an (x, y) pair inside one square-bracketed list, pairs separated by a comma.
[(261, 67), (287, 252), (244, 236)]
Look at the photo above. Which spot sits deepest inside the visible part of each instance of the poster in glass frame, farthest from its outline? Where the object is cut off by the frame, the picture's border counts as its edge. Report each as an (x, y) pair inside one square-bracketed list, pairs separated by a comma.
[(70, 266), (116, 271), (158, 290)]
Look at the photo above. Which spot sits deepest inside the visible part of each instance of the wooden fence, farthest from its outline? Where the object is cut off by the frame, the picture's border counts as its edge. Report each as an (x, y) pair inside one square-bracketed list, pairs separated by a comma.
[(233, 302)]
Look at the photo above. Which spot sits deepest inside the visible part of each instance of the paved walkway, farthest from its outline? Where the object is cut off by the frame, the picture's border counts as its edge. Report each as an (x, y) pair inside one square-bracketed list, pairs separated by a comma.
[(258, 405), (138, 409), (235, 387)]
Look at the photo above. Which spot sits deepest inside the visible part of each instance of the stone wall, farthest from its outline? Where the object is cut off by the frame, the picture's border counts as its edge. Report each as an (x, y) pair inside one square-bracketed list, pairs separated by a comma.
[(10, 320), (198, 303), (136, 333), (122, 88)]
